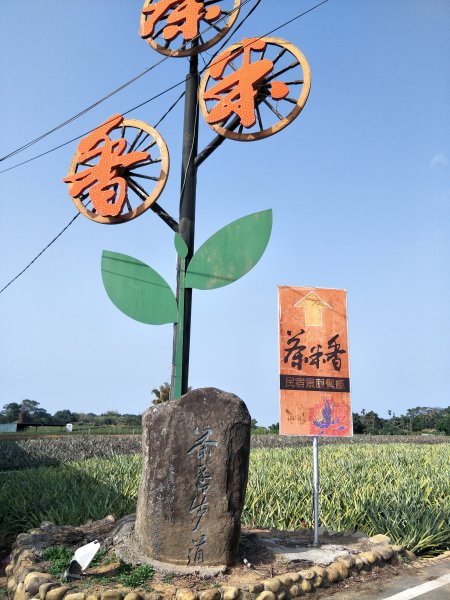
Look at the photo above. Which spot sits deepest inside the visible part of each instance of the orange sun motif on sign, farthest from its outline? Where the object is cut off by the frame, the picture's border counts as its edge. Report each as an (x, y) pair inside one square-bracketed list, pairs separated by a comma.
[(162, 21), (252, 82), (107, 164)]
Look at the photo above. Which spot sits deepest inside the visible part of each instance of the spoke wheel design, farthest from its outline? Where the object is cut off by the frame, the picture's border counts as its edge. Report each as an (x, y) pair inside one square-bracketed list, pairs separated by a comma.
[(145, 181), (290, 72), (209, 33)]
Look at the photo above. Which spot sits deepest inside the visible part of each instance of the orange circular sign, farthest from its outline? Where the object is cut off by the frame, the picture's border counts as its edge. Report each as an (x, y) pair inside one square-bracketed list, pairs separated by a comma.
[(186, 27), (118, 171), (255, 88)]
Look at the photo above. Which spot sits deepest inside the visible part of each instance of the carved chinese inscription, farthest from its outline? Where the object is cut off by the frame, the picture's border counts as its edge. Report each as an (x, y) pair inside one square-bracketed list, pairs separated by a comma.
[(199, 505), (194, 477)]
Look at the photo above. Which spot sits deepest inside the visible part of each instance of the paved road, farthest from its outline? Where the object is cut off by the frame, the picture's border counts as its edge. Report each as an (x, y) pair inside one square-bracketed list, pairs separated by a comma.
[(429, 581)]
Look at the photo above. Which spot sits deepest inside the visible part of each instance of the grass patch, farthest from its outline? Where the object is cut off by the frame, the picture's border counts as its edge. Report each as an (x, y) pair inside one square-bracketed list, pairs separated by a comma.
[(59, 558)]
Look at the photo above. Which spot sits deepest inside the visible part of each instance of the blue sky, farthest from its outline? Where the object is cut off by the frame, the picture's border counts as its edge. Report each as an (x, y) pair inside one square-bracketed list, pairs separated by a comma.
[(359, 185)]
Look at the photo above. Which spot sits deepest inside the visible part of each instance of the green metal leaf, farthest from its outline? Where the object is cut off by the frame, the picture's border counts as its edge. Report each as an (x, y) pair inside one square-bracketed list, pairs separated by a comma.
[(137, 290), (230, 253), (180, 246)]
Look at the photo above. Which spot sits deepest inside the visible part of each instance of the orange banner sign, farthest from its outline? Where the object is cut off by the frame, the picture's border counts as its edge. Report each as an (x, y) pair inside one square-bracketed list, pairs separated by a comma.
[(314, 362)]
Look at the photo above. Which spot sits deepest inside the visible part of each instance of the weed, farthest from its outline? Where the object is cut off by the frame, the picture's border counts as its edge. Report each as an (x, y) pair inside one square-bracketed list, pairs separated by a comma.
[(133, 577), (59, 558), (129, 576)]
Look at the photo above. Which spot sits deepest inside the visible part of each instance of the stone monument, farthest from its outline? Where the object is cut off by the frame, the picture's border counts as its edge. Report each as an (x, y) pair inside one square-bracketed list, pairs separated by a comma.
[(196, 452)]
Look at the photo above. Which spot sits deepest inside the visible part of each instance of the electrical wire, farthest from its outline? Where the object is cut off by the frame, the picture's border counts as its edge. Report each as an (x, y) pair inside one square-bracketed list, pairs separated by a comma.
[(41, 252), (33, 158), (160, 120), (110, 94), (24, 162)]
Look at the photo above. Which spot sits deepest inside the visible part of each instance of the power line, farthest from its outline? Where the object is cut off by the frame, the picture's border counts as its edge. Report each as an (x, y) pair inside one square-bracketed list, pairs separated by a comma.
[(40, 253), (33, 158), (24, 162), (158, 122), (109, 95)]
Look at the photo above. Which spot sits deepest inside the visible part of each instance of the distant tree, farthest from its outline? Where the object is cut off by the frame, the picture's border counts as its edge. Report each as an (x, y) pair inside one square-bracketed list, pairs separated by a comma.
[(28, 411), (357, 424), (65, 416), (84, 417), (162, 394), (131, 420), (371, 422), (24, 416), (444, 424), (257, 429), (110, 417), (274, 428), (40, 415), (10, 413)]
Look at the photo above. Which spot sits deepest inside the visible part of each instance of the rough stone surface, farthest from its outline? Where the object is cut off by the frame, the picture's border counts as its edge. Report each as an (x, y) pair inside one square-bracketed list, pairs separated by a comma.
[(266, 595), (286, 579), (348, 561), (332, 575), (213, 594), (386, 552), (194, 476), (133, 596), (75, 596), (57, 593), (230, 593), (318, 582), (273, 585), (20, 593), (380, 538), (111, 595), (45, 587), (186, 594), (340, 568), (34, 580)]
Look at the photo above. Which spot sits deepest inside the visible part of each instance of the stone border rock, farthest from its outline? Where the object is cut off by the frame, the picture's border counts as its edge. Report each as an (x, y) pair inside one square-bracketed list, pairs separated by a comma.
[(27, 582)]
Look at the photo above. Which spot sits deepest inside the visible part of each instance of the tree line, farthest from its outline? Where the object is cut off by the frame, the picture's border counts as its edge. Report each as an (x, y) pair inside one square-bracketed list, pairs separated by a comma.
[(29, 412), (416, 420), (421, 419)]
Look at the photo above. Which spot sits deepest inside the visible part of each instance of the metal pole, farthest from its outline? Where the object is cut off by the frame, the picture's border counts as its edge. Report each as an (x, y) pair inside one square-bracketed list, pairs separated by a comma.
[(316, 489), (182, 329)]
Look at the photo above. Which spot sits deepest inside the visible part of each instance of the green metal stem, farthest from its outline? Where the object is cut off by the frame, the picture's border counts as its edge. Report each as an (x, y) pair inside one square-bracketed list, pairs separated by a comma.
[(178, 367)]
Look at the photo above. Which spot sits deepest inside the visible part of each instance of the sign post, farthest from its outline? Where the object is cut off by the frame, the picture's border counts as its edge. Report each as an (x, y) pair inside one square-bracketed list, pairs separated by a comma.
[(314, 369), (316, 489)]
